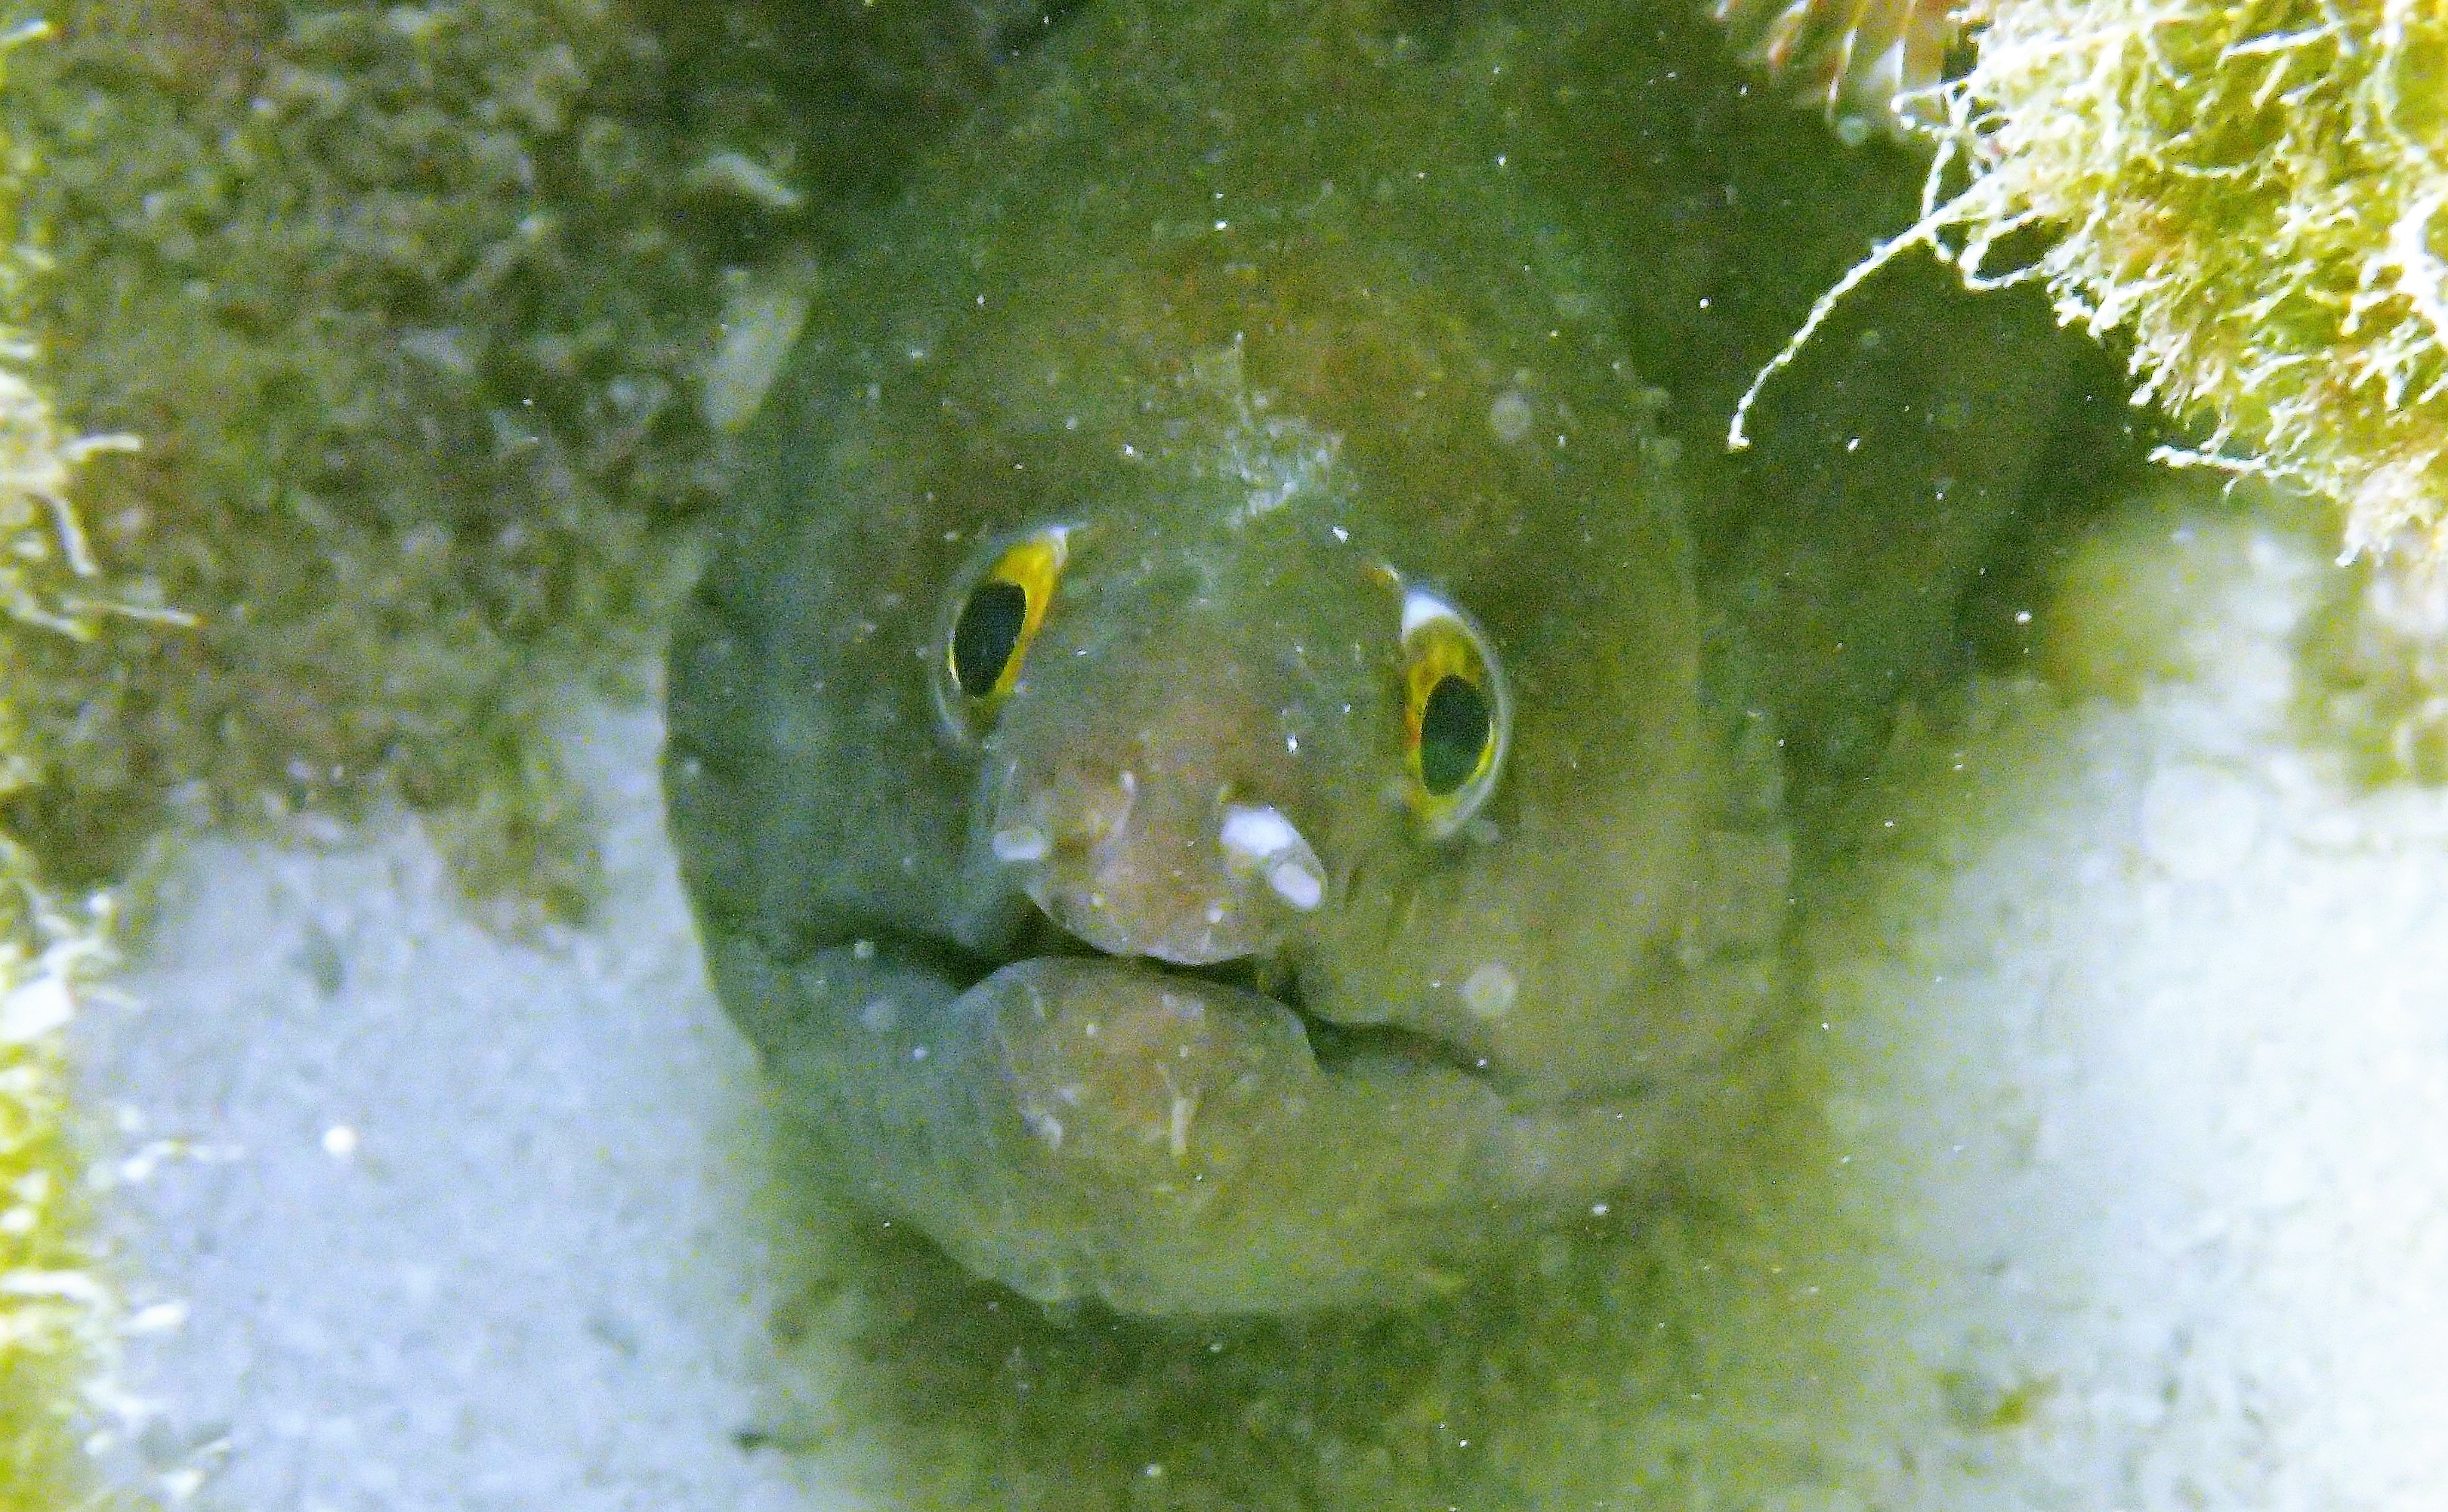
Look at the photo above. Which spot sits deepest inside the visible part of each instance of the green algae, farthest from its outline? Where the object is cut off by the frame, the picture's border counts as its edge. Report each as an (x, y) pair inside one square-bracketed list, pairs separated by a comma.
[(268, 254), (409, 307), (2253, 194), (56, 1307)]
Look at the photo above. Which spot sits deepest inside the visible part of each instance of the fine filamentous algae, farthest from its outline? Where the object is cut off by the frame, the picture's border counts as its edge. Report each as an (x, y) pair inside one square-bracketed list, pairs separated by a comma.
[(1240, 744)]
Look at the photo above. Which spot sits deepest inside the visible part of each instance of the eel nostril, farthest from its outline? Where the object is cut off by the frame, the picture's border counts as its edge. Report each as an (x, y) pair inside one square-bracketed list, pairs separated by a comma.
[(1257, 838), (1297, 883)]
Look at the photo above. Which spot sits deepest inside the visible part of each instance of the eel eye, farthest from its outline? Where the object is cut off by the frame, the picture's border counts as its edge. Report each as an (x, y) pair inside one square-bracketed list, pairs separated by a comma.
[(985, 636), (1457, 713), (993, 617)]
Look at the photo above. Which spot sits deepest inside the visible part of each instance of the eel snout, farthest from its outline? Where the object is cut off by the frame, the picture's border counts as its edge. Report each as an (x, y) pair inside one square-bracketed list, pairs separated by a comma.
[(1140, 864)]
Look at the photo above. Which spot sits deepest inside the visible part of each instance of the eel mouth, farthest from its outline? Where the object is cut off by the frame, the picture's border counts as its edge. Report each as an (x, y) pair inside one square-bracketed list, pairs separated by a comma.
[(1190, 872), (1275, 976), (1272, 975)]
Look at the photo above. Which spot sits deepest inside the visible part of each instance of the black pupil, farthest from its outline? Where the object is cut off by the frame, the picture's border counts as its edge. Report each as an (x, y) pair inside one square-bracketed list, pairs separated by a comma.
[(987, 634), (1453, 731)]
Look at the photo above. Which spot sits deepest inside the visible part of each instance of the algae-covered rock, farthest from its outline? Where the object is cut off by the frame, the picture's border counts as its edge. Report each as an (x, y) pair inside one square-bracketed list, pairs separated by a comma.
[(406, 307)]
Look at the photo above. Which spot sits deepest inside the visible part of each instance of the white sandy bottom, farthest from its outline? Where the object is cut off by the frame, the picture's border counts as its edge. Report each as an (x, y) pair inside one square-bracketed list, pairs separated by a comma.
[(2136, 1051), (428, 1218), (2140, 1041)]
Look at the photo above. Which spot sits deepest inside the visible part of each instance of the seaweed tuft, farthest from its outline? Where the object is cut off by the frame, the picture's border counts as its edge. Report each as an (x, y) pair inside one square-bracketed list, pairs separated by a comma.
[(2259, 195), (2254, 195), (57, 1310)]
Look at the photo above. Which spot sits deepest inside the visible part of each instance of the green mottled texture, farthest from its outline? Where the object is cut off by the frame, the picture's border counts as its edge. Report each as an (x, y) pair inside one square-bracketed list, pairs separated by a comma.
[(1263, 297)]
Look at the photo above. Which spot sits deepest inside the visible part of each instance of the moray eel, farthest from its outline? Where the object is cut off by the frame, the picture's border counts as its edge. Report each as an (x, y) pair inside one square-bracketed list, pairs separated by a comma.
[(1230, 750)]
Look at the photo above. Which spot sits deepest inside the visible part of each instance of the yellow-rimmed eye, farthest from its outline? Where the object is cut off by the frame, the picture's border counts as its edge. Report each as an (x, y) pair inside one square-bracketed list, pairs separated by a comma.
[(994, 616), (1457, 715)]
